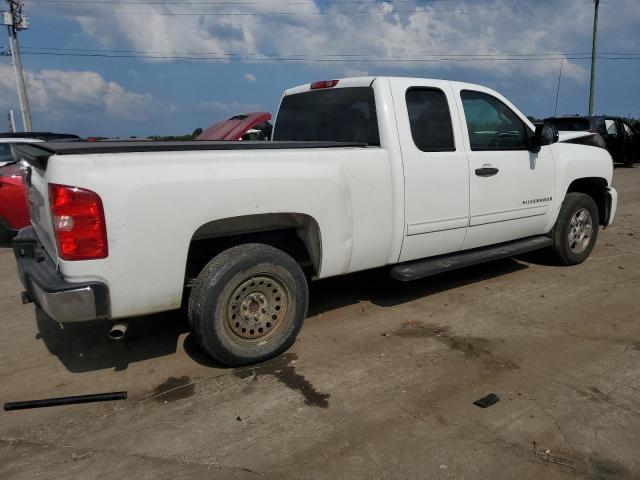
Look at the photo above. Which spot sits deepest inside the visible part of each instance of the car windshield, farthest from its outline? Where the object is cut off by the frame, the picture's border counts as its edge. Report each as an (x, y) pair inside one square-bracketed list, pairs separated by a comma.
[(571, 124), (335, 115)]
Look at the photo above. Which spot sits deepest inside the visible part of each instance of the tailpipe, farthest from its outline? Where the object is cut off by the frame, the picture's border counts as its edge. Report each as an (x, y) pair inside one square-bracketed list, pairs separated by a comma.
[(118, 331)]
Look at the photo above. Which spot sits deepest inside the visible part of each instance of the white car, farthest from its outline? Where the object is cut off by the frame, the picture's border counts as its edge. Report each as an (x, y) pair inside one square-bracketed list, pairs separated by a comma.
[(421, 175)]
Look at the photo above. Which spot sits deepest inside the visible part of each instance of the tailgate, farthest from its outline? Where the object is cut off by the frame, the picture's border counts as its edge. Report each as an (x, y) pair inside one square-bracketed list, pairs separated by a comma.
[(35, 167)]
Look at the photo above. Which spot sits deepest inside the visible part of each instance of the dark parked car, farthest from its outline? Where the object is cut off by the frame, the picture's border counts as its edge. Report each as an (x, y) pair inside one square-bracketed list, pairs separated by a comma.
[(44, 136), (622, 139)]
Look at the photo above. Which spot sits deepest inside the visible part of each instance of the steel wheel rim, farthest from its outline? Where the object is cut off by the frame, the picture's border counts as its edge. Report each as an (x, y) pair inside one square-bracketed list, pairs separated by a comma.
[(580, 231), (257, 309)]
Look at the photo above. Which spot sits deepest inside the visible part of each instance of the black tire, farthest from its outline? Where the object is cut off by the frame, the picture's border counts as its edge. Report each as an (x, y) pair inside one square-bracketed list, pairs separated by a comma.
[(562, 244), (271, 288)]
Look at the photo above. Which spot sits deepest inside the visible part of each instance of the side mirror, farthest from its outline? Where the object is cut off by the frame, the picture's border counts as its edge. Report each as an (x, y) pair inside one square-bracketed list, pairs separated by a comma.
[(544, 135)]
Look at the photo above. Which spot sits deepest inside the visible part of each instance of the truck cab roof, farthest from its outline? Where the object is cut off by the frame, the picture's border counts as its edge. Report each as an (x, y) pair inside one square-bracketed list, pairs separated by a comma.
[(368, 81)]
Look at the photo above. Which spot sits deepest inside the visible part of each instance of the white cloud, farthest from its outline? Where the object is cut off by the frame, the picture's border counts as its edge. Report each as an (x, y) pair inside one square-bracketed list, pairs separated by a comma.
[(250, 77), (356, 72), (63, 93), (384, 31)]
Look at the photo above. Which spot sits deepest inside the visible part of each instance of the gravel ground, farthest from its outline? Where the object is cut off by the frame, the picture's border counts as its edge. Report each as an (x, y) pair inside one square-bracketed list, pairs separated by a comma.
[(380, 383)]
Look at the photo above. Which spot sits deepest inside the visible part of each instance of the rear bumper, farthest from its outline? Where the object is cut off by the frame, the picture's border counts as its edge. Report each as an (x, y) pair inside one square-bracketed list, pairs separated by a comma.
[(612, 205), (6, 234), (63, 301)]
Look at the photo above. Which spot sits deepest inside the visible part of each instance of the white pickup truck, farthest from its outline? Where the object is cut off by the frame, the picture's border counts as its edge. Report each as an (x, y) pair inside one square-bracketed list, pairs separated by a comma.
[(419, 175)]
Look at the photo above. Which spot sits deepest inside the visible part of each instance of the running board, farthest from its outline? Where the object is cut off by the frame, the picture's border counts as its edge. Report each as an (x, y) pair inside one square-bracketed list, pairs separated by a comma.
[(432, 266)]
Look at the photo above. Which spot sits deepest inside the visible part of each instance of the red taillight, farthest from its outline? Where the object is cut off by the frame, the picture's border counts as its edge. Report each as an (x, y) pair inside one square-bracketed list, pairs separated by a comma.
[(324, 84), (78, 223)]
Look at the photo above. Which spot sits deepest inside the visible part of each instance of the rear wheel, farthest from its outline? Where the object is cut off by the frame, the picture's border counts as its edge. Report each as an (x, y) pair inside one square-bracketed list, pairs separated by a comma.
[(576, 229), (248, 304)]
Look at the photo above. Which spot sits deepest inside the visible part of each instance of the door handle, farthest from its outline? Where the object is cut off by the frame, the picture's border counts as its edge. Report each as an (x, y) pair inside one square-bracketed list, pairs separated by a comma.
[(486, 171)]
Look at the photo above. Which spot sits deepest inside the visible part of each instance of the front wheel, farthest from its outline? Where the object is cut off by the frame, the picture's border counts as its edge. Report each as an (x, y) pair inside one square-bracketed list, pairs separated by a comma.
[(576, 229), (248, 304)]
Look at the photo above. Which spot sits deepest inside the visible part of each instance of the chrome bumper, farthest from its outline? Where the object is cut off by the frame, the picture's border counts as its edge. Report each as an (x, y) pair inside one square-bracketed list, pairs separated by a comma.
[(63, 301)]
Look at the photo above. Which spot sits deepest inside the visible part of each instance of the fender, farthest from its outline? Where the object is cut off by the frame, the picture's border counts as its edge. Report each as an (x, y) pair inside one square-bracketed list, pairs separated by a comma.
[(576, 162)]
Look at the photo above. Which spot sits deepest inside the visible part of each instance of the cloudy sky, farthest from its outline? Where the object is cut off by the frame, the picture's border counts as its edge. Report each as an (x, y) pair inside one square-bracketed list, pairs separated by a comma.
[(142, 67)]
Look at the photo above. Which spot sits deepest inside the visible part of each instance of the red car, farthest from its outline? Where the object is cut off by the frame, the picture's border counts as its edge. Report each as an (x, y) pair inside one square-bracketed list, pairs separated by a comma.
[(253, 125), (14, 213)]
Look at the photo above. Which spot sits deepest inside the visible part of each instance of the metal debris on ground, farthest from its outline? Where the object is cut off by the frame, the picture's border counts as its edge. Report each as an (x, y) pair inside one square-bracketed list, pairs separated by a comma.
[(81, 456), (54, 402), (547, 457), (250, 378), (487, 401)]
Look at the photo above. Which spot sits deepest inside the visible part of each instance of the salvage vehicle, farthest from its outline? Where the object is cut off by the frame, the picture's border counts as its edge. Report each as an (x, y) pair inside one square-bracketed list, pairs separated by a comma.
[(14, 212), (421, 176), (248, 126), (620, 137)]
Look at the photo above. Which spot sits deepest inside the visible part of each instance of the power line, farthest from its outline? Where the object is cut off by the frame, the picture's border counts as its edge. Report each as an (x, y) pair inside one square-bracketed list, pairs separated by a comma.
[(267, 4), (267, 54), (261, 14), (328, 59), (111, 3), (271, 54)]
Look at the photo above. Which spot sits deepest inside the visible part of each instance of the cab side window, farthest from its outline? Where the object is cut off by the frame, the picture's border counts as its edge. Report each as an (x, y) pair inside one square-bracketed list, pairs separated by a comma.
[(430, 120), (491, 124)]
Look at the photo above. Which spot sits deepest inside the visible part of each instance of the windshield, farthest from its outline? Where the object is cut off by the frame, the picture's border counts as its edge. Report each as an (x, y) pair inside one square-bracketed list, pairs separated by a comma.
[(334, 115)]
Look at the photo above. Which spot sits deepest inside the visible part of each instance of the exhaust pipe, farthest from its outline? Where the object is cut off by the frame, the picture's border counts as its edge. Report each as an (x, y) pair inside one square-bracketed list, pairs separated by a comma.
[(118, 331)]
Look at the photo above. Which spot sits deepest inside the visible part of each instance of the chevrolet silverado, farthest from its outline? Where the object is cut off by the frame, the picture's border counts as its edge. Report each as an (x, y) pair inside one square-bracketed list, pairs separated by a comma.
[(419, 175)]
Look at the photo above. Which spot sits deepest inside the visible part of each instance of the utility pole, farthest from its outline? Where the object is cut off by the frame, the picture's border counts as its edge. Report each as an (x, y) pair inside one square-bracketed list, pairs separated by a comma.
[(12, 122), (592, 85), (15, 22)]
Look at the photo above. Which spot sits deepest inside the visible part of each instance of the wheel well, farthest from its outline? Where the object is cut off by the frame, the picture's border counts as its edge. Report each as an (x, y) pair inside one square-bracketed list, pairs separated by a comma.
[(596, 188), (294, 233)]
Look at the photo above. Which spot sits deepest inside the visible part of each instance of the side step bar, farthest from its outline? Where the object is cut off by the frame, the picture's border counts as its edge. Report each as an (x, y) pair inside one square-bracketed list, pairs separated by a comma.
[(432, 266)]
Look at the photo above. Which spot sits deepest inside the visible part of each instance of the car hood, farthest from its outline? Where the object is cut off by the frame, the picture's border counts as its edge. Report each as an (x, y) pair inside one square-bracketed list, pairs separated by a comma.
[(566, 136), (235, 127)]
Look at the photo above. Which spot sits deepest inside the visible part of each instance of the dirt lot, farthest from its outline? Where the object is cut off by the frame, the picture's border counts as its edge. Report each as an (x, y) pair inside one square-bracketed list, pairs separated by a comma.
[(380, 383)]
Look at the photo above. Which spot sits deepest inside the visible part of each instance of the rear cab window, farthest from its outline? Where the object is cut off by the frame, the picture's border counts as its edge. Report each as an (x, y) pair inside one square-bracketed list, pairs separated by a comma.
[(334, 115), (430, 119)]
